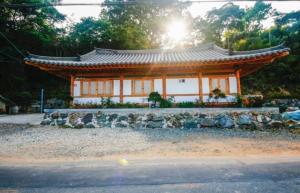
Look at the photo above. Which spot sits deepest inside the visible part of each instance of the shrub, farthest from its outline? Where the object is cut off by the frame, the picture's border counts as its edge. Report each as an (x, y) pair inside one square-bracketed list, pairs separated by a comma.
[(252, 101), (188, 104), (166, 103)]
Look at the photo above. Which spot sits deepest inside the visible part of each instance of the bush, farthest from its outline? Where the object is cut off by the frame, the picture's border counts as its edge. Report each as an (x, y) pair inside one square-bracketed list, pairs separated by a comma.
[(188, 104), (252, 101)]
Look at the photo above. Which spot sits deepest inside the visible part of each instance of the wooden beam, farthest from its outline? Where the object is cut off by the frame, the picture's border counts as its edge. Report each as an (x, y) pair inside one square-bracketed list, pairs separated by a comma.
[(238, 78), (121, 88), (200, 86), (72, 85), (164, 82)]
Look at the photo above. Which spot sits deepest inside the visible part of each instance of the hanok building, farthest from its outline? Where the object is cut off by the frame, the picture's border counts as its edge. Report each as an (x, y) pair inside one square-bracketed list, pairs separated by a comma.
[(188, 74)]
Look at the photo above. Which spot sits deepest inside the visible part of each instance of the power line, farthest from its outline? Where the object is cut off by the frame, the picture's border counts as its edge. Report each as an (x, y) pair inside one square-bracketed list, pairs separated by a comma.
[(33, 5), (12, 44)]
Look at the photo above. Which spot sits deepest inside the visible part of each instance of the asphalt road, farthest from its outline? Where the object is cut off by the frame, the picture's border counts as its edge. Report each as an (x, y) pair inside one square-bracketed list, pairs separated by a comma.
[(168, 176)]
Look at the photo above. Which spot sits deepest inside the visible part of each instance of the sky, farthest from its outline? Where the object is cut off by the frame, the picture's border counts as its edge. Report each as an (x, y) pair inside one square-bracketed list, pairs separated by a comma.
[(74, 13)]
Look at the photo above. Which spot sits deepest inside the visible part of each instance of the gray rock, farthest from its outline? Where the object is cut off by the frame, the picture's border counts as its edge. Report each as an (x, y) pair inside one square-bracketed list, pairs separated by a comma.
[(46, 121), (276, 125), (122, 118), (224, 121), (263, 119), (54, 115), (150, 116), (276, 117), (74, 117), (154, 124), (112, 117), (63, 115), (244, 120), (190, 124), (60, 121), (158, 118), (122, 124), (87, 118), (207, 122)]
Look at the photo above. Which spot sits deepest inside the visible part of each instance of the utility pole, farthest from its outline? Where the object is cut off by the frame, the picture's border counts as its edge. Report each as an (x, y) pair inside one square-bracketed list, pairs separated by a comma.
[(42, 100)]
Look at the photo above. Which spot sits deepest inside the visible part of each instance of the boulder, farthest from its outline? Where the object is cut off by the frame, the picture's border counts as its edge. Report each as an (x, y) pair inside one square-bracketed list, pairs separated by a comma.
[(154, 124), (295, 115), (63, 115), (244, 120), (122, 124), (87, 118), (112, 117), (276, 117), (263, 119), (190, 124), (74, 118), (158, 118), (207, 122), (275, 125), (122, 118), (224, 121), (60, 121), (54, 115), (46, 121)]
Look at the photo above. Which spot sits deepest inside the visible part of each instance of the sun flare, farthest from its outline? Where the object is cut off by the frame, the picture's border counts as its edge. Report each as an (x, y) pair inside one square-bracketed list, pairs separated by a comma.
[(176, 33)]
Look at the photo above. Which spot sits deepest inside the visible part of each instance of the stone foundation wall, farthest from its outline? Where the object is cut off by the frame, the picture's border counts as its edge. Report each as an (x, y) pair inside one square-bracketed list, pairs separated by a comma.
[(193, 119)]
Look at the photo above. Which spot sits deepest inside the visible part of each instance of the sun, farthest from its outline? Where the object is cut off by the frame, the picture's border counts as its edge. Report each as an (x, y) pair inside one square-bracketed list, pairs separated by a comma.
[(176, 33)]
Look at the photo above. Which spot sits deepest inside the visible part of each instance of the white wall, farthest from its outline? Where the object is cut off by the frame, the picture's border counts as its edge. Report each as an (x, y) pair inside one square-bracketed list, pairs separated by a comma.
[(190, 86), (205, 85), (92, 100), (158, 86), (178, 99), (76, 88), (126, 87), (232, 85), (229, 98), (135, 99), (116, 87)]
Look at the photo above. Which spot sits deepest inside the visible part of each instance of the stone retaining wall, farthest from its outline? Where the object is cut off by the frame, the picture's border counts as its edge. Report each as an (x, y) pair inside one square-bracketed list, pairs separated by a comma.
[(179, 119)]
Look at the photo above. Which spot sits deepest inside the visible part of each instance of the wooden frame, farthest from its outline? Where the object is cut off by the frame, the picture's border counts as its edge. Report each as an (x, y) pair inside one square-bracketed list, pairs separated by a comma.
[(97, 86), (133, 82)]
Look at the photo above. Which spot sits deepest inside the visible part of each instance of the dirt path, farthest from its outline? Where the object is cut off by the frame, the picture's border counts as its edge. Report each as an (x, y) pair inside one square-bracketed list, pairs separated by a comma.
[(21, 143)]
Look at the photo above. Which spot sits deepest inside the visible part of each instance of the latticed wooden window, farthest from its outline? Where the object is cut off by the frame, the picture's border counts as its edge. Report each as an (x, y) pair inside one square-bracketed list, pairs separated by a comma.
[(97, 88), (142, 87)]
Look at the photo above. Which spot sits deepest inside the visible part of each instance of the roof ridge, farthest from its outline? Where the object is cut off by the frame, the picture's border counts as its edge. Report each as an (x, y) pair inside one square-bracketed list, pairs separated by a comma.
[(155, 50), (51, 57), (280, 46)]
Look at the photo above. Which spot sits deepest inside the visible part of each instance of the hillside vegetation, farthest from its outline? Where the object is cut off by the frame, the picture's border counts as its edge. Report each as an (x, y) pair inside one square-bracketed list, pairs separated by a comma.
[(139, 26)]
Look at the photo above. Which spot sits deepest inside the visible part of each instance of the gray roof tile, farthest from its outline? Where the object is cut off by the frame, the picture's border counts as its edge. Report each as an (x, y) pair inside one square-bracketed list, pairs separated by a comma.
[(203, 53)]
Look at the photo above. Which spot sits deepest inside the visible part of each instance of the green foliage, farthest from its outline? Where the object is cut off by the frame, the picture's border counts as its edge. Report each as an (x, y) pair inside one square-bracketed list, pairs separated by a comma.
[(252, 101), (217, 93), (188, 104), (141, 26), (23, 99), (154, 97), (166, 103)]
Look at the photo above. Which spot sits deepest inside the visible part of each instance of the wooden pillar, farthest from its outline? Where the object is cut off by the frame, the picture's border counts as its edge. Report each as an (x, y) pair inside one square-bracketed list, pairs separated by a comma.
[(72, 85), (164, 84), (200, 86), (237, 74), (121, 88)]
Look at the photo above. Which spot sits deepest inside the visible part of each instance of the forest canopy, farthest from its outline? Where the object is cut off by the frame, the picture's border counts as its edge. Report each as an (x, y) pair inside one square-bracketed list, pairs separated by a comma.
[(140, 26)]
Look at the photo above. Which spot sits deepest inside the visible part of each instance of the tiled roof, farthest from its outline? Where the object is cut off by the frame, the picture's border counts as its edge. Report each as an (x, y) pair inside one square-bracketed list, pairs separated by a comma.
[(203, 53)]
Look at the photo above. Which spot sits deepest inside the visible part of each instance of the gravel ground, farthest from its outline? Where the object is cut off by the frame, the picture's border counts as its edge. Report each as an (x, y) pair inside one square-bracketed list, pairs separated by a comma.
[(36, 142)]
